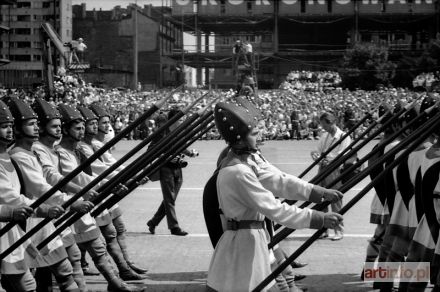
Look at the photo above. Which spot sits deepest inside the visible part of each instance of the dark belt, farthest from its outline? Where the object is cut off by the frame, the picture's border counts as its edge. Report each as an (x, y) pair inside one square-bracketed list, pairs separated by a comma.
[(244, 224)]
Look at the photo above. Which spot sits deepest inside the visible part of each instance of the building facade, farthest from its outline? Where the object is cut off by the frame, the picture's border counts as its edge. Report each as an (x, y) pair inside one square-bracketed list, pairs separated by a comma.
[(23, 44), (111, 38), (302, 34)]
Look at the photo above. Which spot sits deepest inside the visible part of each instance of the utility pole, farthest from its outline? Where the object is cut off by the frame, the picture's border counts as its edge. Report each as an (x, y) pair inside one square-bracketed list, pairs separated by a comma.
[(135, 48), (183, 56)]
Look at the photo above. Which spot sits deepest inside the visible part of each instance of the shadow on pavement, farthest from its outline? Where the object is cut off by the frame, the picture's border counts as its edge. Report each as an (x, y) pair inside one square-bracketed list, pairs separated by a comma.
[(181, 282), (335, 282), (183, 276)]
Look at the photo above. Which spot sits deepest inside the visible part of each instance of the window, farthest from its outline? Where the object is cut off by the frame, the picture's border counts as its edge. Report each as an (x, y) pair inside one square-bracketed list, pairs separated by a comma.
[(46, 4), (20, 58), (267, 38), (222, 7), (303, 6), (36, 31), (37, 45), (68, 32), (366, 37), (23, 18), (249, 6), (228, 72), (23, 31), (36, 58), (400, 36), (22, 45), (24, 5), (32, 74), (330, 6)]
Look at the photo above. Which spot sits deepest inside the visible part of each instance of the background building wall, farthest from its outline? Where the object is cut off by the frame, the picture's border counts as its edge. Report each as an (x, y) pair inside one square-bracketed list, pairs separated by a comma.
[(23, 43)]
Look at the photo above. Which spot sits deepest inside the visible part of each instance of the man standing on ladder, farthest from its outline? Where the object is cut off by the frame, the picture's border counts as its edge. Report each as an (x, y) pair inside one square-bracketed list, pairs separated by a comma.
[(244, 69)]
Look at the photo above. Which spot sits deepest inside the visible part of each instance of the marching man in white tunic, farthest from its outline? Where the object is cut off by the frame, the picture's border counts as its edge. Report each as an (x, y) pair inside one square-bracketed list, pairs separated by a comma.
[(247, 187)]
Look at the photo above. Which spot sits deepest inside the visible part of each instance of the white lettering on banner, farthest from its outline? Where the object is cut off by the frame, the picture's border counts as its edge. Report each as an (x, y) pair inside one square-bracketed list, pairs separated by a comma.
[(183, 2), (370, 1), (289, 2), (236, 2), (262, 2), (210, 2), (393, 1), (310, 2)]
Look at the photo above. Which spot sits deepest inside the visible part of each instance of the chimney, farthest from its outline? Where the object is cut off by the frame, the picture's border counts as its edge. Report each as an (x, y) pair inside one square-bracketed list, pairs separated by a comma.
[(95, 14), (147, 10), (83, 10)]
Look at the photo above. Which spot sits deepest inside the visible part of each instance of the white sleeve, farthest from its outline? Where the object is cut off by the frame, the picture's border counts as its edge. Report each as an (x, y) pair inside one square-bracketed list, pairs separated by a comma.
[(262, 200), (50, 171), (9, 194), (284, 185), (35, 183)]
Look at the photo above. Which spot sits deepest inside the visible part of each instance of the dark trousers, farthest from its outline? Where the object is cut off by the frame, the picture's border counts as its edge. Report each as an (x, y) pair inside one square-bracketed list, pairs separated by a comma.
[(170, 182)]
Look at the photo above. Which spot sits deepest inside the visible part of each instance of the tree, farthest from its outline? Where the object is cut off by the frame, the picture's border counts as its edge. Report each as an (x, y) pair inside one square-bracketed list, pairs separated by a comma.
[(365, 66), (409, 67)]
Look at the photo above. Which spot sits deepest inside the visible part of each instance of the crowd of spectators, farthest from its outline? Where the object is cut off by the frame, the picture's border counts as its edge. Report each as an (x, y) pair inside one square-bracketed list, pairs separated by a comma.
[(426, 80), (311, 81), (291, 112)]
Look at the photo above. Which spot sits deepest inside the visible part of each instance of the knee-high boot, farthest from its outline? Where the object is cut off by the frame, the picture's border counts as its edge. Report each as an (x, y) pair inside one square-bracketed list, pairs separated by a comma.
[(119, 225), (74, 255), (114, 283), (125, 272), (63, 273), (43, 278)]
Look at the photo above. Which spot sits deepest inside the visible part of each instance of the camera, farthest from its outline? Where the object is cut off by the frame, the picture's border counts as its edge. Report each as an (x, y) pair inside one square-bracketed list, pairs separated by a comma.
[(194, 153), (179, 161)]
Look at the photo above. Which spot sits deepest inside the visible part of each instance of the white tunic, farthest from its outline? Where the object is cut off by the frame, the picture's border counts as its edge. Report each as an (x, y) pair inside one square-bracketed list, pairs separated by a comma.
[(246, 191), (325, 142), (54, 251), (99, 166), (35, 182), (84, 229), (19, 260), (68, 162), (107, 158)]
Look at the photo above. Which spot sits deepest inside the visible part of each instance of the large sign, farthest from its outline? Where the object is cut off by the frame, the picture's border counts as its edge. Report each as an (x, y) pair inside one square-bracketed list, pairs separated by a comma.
[(293, 7), (293, 2)]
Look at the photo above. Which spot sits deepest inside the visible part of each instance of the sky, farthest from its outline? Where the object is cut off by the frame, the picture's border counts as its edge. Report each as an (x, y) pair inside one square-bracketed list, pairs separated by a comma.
[(109, 4)]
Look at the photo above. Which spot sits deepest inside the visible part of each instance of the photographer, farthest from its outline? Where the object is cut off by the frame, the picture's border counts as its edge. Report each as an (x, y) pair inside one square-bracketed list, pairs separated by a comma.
[(170, 176)]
